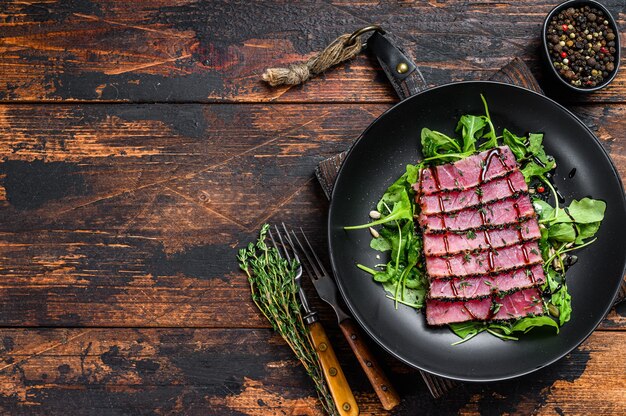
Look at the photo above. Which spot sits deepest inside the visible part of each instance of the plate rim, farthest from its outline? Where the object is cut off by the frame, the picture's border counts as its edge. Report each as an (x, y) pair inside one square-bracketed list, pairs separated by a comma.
[(359, 319)]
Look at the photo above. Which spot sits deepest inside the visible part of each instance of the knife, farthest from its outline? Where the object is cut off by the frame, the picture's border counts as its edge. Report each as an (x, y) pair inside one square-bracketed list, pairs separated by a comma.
[(327, 290), (335, 378)]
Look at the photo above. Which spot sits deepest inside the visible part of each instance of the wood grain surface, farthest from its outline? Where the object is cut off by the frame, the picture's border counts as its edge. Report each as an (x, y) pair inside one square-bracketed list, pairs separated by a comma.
[(139, 150), (212, 51)]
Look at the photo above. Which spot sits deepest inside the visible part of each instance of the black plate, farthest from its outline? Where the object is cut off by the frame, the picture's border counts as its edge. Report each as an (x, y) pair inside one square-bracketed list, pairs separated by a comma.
[(379, 157)]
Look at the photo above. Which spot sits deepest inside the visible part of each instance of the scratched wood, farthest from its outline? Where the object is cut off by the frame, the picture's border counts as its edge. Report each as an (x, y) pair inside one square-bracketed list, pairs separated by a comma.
[(212, 51), (119, 290), (217, 371), (123, 215)]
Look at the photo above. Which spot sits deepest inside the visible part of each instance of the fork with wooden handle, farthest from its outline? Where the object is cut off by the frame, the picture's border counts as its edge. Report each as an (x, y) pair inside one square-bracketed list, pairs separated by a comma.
[(327, 290), (335, 379)]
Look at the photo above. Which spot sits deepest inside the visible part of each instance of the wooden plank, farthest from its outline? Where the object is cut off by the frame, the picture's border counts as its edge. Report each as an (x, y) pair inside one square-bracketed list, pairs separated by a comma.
[(251, 372), (117, 215), (181, 51)]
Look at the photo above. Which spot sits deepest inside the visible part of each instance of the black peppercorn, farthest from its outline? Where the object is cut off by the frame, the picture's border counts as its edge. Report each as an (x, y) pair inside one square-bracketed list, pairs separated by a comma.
[(582, 45)]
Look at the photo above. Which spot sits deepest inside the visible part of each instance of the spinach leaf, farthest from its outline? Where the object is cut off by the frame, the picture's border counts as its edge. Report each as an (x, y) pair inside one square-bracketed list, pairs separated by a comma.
[(586, 231), (467, 330), (587, 210), (383, 277), (562, 232), (380, 243), (528, 323)]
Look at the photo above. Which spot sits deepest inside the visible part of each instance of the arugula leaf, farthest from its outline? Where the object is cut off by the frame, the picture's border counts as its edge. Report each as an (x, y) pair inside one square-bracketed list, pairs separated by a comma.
[(492, 139), (535, 147), (435, 143), (540, 163), (471, 129), (553, 279), (543, 209), (411, 174), (515, 143), (416, 280), (398, 196), (401, 210), (411, 297), (563, 301), (532, 169)]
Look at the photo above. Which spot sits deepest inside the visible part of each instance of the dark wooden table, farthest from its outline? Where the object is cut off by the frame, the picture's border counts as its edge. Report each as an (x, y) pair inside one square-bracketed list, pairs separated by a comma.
[(139, 150)]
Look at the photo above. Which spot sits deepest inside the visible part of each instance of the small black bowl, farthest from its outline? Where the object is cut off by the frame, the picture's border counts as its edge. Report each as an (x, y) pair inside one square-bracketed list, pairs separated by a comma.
[(609, 18)]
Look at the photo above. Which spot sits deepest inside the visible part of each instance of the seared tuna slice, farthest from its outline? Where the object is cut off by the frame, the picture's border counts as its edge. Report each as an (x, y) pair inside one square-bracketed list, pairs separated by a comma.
[(468, 172), (480, 286), (502, 212), (487, 261), (480, 235), (441, 312), (519, 305), (494, 190), (511, 306), (455, 242)]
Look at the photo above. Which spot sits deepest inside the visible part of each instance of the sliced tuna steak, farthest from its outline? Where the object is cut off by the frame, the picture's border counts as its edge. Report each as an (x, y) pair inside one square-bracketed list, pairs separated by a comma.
[(497, 213), (468, 172), (440, 312), (480, 235), (451, 242), (519, 304), (481, 286), (510, 306), (487, 261), (499, 188)]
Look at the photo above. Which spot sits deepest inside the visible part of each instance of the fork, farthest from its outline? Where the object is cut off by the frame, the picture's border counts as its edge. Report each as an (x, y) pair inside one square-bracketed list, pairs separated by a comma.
[(335, 378), (327, 290)]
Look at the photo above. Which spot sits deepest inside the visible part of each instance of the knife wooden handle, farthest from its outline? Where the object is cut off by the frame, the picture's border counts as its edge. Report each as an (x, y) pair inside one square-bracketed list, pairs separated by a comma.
[(384, 389), (337, 383)]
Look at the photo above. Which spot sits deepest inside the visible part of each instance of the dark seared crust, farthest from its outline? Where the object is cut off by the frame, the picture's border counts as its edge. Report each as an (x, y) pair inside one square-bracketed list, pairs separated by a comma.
[(512, 269), (481, 228), (447, 191), (498, 293), (478, 205), (494, 273), (522, 220), (530, 315)]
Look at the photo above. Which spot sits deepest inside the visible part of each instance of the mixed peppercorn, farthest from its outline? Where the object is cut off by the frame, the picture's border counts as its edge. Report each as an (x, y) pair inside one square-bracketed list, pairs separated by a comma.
[(582, 46)]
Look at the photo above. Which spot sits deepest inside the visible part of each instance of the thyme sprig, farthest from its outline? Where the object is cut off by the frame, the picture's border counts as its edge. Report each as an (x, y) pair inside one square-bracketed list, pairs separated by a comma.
[(273, 291)]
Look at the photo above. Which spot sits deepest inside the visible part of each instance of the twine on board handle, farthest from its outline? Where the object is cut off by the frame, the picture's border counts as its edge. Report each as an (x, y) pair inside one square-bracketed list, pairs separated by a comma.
[(345, 47)]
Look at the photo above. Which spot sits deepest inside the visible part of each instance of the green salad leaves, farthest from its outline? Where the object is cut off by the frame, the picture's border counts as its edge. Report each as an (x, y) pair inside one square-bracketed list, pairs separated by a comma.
[(402, 276), (563, 229)]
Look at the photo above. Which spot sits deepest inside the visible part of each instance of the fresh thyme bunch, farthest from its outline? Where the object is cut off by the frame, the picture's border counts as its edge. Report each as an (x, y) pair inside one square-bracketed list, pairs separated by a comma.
[(274, 291)]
